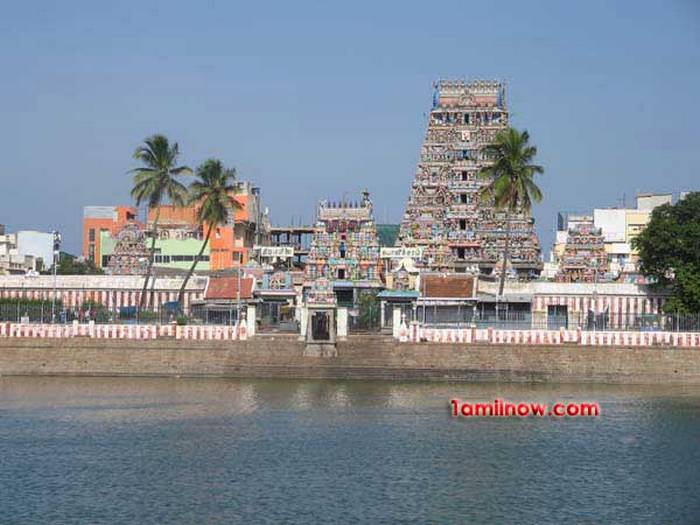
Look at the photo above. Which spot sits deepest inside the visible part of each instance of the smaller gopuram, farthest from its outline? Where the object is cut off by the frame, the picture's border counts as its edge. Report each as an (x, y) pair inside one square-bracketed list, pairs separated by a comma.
[(131, 254), (584, 259), (345, 249)]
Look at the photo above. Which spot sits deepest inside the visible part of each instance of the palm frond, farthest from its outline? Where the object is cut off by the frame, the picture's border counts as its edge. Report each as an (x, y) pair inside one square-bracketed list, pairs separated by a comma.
[(509, 179)]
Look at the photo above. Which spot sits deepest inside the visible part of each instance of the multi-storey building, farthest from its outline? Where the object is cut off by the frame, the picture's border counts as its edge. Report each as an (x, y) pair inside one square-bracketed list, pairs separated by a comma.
[(445, 216), (25, 251), (103, 219), (344, 249), (180, 236), (229, 245), (618, 227)]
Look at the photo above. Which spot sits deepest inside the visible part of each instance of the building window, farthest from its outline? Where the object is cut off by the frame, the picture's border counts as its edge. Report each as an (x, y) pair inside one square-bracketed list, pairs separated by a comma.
[(462, 224), (463, 198), (91, 235), (182, 258), (460, 253), (91, 253), (465, 175)]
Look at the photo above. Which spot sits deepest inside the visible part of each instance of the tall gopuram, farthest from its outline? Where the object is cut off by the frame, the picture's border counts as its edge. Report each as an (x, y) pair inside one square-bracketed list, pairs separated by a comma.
[(456, 230)]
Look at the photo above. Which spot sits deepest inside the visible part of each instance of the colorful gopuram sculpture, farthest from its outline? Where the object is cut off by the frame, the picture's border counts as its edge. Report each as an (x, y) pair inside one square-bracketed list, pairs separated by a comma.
[(444, 215), (584, 259), (130, 255), (344, 246)]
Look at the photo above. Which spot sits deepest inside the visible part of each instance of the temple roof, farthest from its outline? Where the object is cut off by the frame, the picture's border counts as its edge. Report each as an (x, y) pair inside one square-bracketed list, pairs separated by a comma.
[(226, 288), (454, 286)]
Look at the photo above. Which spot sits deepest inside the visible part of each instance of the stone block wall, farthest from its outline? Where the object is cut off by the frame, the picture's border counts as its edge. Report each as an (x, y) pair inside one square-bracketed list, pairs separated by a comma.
[(372, 357)]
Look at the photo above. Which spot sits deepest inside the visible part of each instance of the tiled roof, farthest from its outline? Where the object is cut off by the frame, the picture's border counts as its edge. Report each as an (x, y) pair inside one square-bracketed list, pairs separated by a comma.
[(226, 288), (448, 286)]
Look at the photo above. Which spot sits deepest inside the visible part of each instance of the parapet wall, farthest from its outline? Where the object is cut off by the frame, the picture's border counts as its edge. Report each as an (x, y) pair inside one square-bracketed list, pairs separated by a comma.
[(237, 331), (379, 358), (415, 333)]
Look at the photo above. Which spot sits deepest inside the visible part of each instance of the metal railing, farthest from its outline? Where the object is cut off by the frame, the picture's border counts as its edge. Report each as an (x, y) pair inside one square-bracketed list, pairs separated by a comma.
[(542, 321), (41, 312)]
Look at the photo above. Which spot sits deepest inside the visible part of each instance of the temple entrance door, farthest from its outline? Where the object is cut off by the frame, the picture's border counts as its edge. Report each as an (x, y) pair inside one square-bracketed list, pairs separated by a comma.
[(557, 317), (320, 329)]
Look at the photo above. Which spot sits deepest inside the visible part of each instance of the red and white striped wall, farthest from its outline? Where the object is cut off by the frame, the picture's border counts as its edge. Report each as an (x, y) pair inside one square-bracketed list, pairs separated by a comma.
[(111, 299), (126, 331), (617, 305), (415, 333)]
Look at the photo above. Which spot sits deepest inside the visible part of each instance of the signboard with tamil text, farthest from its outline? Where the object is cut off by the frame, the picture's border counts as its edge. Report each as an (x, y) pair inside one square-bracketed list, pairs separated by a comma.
[(401, 253), (282, 252)]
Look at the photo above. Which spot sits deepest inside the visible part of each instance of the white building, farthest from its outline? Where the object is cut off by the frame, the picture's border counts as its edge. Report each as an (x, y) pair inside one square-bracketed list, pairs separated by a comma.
[(38, 245), (619, 227), (24, 251)]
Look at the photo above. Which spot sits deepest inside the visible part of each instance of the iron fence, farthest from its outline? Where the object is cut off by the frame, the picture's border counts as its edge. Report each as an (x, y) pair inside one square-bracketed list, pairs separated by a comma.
[(45, 312), (587, 321)]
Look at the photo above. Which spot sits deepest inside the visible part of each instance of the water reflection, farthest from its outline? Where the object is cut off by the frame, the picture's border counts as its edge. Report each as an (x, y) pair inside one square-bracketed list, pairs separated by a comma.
[(215, 450)]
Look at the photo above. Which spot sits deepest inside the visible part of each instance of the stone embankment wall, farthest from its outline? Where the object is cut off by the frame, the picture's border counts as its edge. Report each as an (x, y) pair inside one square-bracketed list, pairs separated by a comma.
[(359, 358)]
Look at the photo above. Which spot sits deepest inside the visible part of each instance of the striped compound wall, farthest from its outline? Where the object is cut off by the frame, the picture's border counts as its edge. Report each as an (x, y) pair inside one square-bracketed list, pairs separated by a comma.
[(415, 333), (122, 331)]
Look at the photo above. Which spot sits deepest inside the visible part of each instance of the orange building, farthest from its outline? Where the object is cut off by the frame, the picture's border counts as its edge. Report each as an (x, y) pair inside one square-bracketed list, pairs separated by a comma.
[(230, 243), (98, 219)]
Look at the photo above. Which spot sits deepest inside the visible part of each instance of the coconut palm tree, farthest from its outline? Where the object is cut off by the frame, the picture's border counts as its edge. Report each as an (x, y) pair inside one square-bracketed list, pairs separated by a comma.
[(510, 180), (155, 181), (213, 192)]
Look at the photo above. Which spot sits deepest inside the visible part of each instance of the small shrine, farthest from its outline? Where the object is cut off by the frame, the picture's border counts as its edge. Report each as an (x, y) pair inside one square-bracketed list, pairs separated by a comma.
[(318, 320)]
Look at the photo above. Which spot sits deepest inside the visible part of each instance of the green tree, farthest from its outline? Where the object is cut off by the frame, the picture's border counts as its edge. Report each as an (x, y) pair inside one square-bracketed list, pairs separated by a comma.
[(669, 252), (368, 306), (71, 266), (213, 193), (510, 181), (154, 181)]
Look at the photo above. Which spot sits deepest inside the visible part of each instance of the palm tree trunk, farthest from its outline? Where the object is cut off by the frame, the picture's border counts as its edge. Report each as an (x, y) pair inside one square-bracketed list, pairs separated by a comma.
[(151, 258), (151, 294), (181, 295), (506, 255)]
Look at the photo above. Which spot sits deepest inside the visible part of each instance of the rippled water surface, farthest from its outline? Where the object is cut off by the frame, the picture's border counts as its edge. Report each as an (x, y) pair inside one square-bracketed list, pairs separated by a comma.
[(217, 451)]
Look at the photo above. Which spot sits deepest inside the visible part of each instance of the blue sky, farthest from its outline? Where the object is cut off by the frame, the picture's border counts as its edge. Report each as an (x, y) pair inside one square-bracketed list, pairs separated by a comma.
[(318, 99)]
